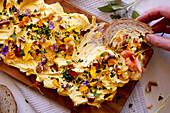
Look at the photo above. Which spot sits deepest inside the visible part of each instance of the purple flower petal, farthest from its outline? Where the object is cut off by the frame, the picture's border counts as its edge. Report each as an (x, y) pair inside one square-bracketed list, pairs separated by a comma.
[(112, 56), (63, 86), (86, 83), (4, 50), (27, 15), (51, 25)]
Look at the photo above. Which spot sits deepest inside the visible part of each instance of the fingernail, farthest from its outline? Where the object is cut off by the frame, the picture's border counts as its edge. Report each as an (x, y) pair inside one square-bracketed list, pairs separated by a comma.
[(146, 37)]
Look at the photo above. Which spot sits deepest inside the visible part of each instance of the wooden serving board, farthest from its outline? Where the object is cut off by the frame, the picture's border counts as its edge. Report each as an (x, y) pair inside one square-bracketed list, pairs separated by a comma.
[(106, 107)]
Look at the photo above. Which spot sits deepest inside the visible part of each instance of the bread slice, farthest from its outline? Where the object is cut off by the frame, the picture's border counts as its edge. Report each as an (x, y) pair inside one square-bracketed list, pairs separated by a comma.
[(7, 101), (126, 24)]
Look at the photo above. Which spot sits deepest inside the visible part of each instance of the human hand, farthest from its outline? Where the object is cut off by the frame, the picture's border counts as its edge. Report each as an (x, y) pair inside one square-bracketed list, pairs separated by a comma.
[(161, 26)]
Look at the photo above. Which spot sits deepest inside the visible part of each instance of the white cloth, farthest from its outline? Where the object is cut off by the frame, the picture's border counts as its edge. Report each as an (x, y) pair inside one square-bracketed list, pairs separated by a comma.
[(42, 104)]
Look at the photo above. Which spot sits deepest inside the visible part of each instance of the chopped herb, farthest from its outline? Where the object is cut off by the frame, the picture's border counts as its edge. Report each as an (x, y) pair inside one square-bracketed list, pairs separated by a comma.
[(112, 75), (102, 54), (77, 89), (14, 36), (117, 98), (69, 86), (91, 91), (160, 98), (26, 100), (80, 60), (98, 71), (67, 12), (120, 63), (95, 94), (117, 16), (130, 105), (78, 53), (1, 45), (85, 71), (85, 44)]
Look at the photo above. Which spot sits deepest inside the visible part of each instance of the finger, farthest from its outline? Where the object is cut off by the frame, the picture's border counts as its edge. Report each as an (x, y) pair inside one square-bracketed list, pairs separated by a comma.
[(155, 13), (161, 26), (158, 41)]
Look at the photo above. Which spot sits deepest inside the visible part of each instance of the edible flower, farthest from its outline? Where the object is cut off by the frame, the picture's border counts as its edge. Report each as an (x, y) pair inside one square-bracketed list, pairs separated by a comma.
[(51, 25), (4, 50), (129, 46), (40, 23), (34, 54), (137, 44), (93, 72), (25, 19), (48, 44), (11, 5), (86, 83), (11, 39), (110, 98), (111, 62), (93, 83), (27, 48), (118, 39), (21, 24), (50, 17), (98, 34), (59, 42), (112, 56), (107, 67), (68, 57), (63, 86), (72, 73), (55, 82), (35, 29), (77, 31), (66, 40), (83, 88), (71, 28), (26, 15), (10, 55)]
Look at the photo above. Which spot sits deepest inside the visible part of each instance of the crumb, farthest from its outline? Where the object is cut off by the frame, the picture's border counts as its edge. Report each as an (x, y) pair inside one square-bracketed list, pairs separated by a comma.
[(26, 100), (148, 87), (160, 98), (130, 105)]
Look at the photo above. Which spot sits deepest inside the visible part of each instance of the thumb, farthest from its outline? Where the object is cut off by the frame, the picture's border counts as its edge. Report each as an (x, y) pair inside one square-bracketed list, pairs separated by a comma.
[(158, 41)]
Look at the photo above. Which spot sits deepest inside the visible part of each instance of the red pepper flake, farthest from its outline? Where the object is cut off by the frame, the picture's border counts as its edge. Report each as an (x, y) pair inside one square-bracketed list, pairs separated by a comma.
[(62, 47), (149, 107), (72, 73)]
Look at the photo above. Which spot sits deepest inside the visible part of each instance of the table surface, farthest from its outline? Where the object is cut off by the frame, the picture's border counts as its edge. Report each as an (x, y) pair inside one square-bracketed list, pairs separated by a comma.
[(158, 70)]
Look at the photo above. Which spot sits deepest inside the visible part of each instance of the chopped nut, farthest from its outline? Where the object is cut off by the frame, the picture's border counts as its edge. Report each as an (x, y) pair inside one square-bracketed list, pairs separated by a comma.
[(62, 26), (42, 40), (4, 22), (27, 11), (22, 39), (59, 19)]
